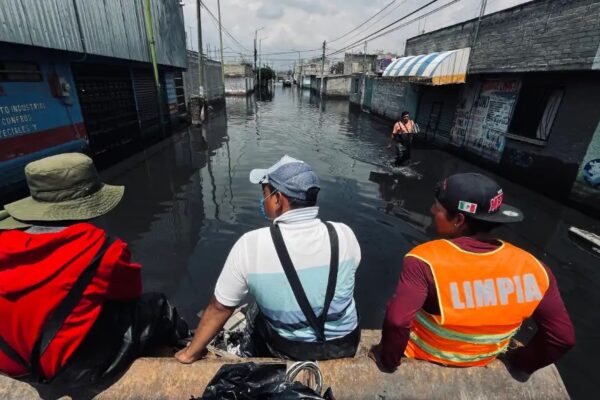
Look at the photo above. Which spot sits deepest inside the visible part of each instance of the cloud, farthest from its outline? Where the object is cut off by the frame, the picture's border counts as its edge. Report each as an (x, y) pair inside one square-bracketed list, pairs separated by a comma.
[(304, 24), (270, 12)]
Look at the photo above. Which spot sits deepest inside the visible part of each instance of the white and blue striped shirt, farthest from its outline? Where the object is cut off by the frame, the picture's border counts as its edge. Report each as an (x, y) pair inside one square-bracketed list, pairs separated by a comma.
[(253, 267)]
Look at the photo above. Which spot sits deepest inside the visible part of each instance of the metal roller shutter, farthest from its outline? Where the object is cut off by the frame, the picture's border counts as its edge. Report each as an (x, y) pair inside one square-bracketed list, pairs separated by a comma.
[(147, 104), (108, 106)]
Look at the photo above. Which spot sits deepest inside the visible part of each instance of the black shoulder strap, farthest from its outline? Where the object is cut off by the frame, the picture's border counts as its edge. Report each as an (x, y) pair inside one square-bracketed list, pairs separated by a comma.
[(12, 353), (317, 324), (65, 308)]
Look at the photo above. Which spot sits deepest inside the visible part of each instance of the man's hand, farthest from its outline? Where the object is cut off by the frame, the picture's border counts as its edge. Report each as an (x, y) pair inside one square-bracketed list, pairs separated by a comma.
[(375, 355), (184, 356)]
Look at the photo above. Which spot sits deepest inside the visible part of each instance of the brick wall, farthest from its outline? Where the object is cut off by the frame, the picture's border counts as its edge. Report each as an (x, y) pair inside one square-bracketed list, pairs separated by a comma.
[(543, 35)]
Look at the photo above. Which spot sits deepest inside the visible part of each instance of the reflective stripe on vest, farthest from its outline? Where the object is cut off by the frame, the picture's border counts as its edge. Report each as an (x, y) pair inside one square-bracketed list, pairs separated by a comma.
[(483, 299), (445, 333), (456, 358)]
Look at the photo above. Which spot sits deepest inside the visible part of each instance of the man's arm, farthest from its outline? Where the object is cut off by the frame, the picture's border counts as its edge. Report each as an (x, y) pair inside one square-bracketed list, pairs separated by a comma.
[(555, 333), (230, 290), (213, 319), (394, 133), (411, 293)]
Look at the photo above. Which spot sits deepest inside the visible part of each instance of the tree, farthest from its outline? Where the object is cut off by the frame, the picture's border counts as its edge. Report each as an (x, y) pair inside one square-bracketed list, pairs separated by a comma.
[(266, 74), (337, 68)]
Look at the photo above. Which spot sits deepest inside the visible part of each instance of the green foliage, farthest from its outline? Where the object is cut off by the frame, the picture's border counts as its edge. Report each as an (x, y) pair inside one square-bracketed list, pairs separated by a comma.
[(266, 74)]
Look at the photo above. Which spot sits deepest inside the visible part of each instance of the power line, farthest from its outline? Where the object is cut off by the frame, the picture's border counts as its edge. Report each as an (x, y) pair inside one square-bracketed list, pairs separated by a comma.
[(415, 19), (371, 36), (381, 18), (222, 27), (362, 24)]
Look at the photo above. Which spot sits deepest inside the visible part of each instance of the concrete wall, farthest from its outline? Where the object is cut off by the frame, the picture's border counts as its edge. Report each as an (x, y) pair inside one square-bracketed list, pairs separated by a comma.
[(545, 35), (213, 84), (338, 86), (238, 70), (390, 97), (586, 189), (238, 85)]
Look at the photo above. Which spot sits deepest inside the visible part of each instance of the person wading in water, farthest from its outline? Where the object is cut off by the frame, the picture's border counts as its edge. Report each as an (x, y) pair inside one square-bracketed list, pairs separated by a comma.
[(401, 138)]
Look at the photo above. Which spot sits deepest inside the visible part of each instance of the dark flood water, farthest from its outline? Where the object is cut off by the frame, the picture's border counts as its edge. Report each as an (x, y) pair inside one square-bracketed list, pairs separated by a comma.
[(188, 200)]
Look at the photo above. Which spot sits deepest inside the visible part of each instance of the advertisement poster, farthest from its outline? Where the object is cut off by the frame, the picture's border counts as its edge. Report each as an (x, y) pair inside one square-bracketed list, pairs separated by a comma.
[(171, 93), (483, 120)]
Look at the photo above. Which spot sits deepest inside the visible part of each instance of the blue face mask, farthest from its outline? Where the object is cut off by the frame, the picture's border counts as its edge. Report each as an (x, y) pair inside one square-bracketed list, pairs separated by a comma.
[(263, 212)]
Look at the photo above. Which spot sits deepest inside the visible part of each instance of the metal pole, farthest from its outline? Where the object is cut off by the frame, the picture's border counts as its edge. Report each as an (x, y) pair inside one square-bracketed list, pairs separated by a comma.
[(259, 61), (323, 68), (365, 59), (152, 45), (300, 78), (200, 56), (221, 39)]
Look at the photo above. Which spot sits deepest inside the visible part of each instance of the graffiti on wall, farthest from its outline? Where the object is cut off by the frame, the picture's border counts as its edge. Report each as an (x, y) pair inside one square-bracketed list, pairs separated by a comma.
[(587, 184), (483, 116)]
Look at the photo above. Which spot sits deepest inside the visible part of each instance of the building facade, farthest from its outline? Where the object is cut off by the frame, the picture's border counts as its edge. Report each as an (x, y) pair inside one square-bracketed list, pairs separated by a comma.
[(78, 76), (239, 79), (360, 63), (529, 106)]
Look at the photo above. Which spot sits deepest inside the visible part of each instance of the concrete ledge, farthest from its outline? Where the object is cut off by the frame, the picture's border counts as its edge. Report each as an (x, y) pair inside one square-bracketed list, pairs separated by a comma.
[(357, 378)]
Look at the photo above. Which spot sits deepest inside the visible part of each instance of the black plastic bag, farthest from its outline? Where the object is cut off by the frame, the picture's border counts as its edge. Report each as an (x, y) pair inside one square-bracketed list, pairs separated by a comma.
[(251, 381), (123, 332)]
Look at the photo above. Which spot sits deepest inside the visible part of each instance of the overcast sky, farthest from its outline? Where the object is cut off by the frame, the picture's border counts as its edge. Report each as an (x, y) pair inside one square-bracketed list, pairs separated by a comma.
[(305, 24)]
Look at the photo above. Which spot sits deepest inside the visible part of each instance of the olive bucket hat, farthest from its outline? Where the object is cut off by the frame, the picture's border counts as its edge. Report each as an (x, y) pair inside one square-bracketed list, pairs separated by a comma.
[(65, 187), (7, 222)]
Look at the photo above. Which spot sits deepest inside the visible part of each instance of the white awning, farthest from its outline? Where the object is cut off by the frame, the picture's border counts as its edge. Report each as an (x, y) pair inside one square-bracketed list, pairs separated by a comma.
[(440, 68)]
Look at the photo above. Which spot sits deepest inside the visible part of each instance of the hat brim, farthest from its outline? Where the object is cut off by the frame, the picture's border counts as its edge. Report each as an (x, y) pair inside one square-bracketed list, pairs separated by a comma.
[(89, 207), (505, 215), (258, 175), (7, 222)]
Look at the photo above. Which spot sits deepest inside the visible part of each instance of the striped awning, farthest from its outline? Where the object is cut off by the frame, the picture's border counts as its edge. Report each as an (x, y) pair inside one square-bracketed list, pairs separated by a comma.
[(439, 68)]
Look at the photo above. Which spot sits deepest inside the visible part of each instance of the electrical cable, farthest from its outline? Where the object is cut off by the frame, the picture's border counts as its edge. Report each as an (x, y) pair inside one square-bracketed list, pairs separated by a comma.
[(375, 35), (223, 27), (362, 24)]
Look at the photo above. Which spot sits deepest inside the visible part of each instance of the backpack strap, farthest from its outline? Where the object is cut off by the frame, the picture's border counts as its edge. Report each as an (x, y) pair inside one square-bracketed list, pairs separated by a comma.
[(317, 324)]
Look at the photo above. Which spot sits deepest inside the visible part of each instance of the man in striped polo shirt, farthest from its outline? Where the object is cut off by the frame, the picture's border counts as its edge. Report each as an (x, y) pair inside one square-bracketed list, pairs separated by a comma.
[(300, 271)]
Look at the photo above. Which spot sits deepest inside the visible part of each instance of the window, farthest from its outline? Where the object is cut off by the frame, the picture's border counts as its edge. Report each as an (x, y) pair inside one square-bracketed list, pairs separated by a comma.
[(535, 112), (15, 71)]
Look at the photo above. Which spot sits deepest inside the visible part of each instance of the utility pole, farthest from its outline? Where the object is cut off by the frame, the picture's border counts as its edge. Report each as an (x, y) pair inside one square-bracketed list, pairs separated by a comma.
[(255, 40), (300, 78), (200, 56), (259, 66), (221, 39), (323, 68), (365, 59)]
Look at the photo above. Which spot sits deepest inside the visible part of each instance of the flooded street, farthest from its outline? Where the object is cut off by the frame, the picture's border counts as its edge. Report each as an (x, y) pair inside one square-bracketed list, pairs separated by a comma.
[(188, 199)]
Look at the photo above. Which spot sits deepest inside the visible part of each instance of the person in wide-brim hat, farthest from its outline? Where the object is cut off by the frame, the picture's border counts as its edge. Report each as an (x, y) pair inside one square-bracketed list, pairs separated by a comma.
[(65, 187), (69, 284)]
